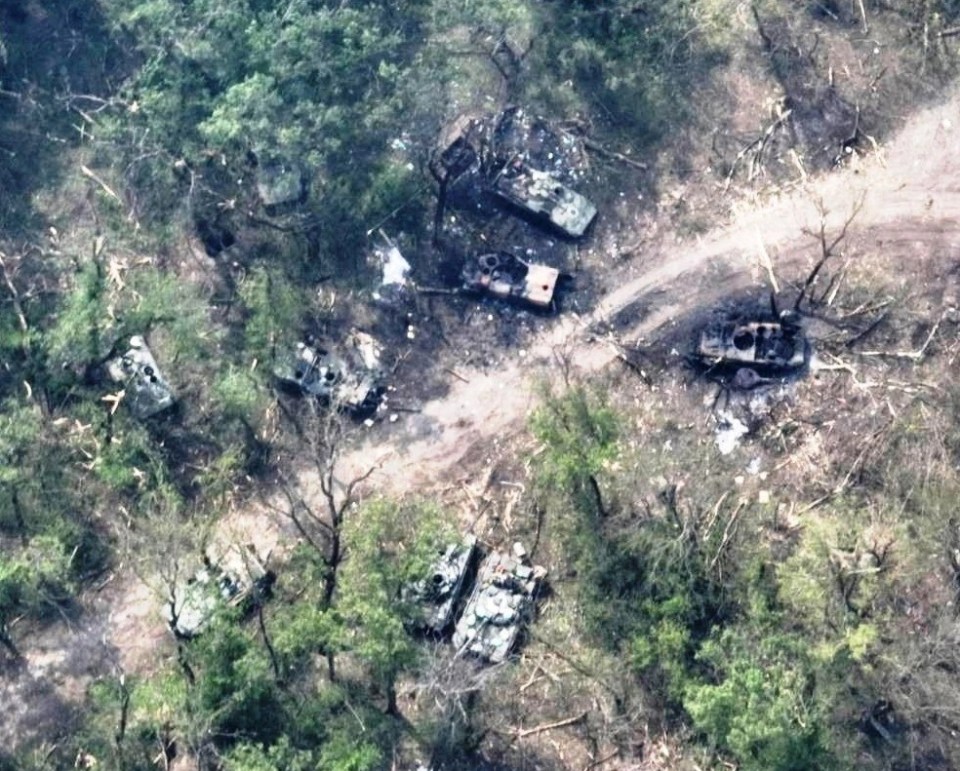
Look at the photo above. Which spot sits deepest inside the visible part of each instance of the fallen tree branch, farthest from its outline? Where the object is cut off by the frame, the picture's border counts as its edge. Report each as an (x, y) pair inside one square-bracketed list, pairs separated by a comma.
[(599, 149), (106, 188), (523, 733), (596, 763), (916, 355), (17, 306), (760, 143)]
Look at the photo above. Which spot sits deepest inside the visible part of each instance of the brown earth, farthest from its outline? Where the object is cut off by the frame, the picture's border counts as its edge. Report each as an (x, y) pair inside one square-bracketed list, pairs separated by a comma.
[(910, 197)]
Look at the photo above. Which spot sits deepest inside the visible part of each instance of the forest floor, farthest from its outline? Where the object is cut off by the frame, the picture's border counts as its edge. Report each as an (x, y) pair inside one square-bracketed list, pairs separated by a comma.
[(909, 207)]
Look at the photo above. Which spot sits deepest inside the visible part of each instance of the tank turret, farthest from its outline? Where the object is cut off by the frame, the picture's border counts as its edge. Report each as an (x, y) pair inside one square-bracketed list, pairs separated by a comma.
[(501, 605)]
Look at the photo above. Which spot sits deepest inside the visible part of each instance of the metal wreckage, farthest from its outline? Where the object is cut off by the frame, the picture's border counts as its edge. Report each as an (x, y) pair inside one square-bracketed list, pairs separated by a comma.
[(144, 389), (502, 604), (437, 596), (499, 607), (230, 577), (349, 378), (765, 347), (524, 165)]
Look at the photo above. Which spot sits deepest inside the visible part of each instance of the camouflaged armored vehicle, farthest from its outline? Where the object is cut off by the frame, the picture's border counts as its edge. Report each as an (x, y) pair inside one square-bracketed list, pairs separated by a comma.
[(501, 605), (545, 197), (761, 345), (504, 276), (439, 594), (232, 578), (350, 378), (145, 389), (281, 186)]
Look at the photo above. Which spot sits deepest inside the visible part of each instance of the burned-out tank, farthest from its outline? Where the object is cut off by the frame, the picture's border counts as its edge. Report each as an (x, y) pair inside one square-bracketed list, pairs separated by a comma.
[(501, 605), (518, 160), (545, 197), (761, 345), (350, 378), (145, 389), (504, 276), (439, 594), (235, 577)]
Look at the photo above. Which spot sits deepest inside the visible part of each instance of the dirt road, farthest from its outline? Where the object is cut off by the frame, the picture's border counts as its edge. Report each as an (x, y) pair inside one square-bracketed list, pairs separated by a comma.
[(912, 184), (910, 188)]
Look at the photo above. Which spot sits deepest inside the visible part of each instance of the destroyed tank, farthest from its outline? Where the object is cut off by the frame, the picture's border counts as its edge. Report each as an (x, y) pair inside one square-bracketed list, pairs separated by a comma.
[(761, 345), (544, 197), (520, 160), (350, 379), (145, 390), (236, 578), (438, 595), (506, 277), (501, 605)]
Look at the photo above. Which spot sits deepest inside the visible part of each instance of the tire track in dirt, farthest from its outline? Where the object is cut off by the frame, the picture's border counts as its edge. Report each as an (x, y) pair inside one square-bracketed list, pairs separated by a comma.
[(910, 190), (911, 184)]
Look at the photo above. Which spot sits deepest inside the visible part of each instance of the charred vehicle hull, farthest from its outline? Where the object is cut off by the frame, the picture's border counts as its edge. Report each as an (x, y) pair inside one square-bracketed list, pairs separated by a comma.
[(506, 277), (351, 379), (761, 345), (234, 579), (544, 197)]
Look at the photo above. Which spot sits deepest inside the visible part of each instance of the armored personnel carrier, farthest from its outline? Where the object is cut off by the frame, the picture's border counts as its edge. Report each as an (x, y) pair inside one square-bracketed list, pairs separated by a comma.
[(351, 378), (438, 595), (502, 603), (544, 197), (504, 276), (761, 345), (145, 389), (233, 578)]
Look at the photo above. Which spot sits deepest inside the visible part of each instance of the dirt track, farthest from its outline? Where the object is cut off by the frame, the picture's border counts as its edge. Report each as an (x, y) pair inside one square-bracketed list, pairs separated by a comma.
[(908, 189), (911, 184)]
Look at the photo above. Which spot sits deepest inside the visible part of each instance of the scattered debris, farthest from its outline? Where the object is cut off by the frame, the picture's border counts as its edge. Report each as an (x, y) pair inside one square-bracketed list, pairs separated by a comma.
[(396, 271), (352, 380), (730, 430), (502, 603), (504, 276), (145, 389)]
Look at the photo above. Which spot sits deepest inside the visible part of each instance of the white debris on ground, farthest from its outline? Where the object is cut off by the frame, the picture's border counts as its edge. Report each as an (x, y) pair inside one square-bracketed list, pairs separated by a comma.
[(396, 271), (730, 430)]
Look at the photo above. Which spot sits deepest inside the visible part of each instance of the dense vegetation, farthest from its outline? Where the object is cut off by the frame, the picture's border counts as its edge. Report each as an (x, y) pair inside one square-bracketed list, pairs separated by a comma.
[(132, 137)]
